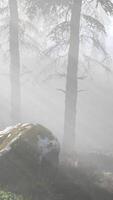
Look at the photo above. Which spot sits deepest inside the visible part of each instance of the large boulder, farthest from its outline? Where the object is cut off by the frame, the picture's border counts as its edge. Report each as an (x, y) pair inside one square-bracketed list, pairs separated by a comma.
[(28, 154)]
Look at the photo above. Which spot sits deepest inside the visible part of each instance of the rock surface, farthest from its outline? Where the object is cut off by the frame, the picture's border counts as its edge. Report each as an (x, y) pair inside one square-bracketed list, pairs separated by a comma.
[(28, 153)]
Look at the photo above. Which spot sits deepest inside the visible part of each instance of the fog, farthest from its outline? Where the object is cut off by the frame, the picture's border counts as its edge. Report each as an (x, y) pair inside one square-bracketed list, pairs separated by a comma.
[(56, 99), (42, 96)]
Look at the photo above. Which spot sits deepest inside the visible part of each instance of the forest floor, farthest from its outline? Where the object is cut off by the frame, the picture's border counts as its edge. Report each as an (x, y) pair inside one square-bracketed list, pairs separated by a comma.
[(78, 183), (90, 179)]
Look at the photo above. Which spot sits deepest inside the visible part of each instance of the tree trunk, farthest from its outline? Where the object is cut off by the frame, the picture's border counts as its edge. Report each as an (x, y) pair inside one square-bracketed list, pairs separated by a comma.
[(14, 62), (71, 85)]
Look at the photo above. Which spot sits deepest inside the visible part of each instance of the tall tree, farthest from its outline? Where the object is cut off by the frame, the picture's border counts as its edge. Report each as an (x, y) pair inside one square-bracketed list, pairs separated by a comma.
[(72, 67), (14, 62), (18, 30), (71, 84)]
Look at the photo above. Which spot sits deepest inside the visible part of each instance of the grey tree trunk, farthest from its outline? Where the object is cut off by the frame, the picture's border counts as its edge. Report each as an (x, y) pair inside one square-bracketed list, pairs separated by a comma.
[(14, 62), (71, 85)]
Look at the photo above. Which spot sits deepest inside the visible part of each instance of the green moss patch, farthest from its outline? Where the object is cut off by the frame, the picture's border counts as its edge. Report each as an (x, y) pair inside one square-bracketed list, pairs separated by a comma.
[(10, 196)]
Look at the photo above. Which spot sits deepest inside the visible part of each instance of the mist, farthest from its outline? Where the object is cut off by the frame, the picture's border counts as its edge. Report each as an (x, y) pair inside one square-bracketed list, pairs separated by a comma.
[(56, 70)]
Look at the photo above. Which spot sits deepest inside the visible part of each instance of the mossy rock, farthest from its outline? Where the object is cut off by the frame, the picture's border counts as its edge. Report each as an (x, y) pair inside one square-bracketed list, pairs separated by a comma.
[(27, 153)]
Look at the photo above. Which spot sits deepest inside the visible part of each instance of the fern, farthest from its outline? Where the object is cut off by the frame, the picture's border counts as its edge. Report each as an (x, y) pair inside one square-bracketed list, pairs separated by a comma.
[(94, 23), (107, 5)]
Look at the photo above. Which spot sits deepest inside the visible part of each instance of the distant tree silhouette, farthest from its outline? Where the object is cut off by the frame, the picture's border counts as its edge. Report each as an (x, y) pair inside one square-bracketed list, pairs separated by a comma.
[(14, 62)]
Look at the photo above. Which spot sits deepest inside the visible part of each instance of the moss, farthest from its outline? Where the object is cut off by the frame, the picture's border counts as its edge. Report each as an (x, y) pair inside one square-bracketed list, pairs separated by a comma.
[(5, 140), (4, 195), (28, 132), (44, 132)]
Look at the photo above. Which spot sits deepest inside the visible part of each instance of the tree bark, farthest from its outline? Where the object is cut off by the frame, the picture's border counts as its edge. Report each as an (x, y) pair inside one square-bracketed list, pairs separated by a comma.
[(14, 62), (71, 85)]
